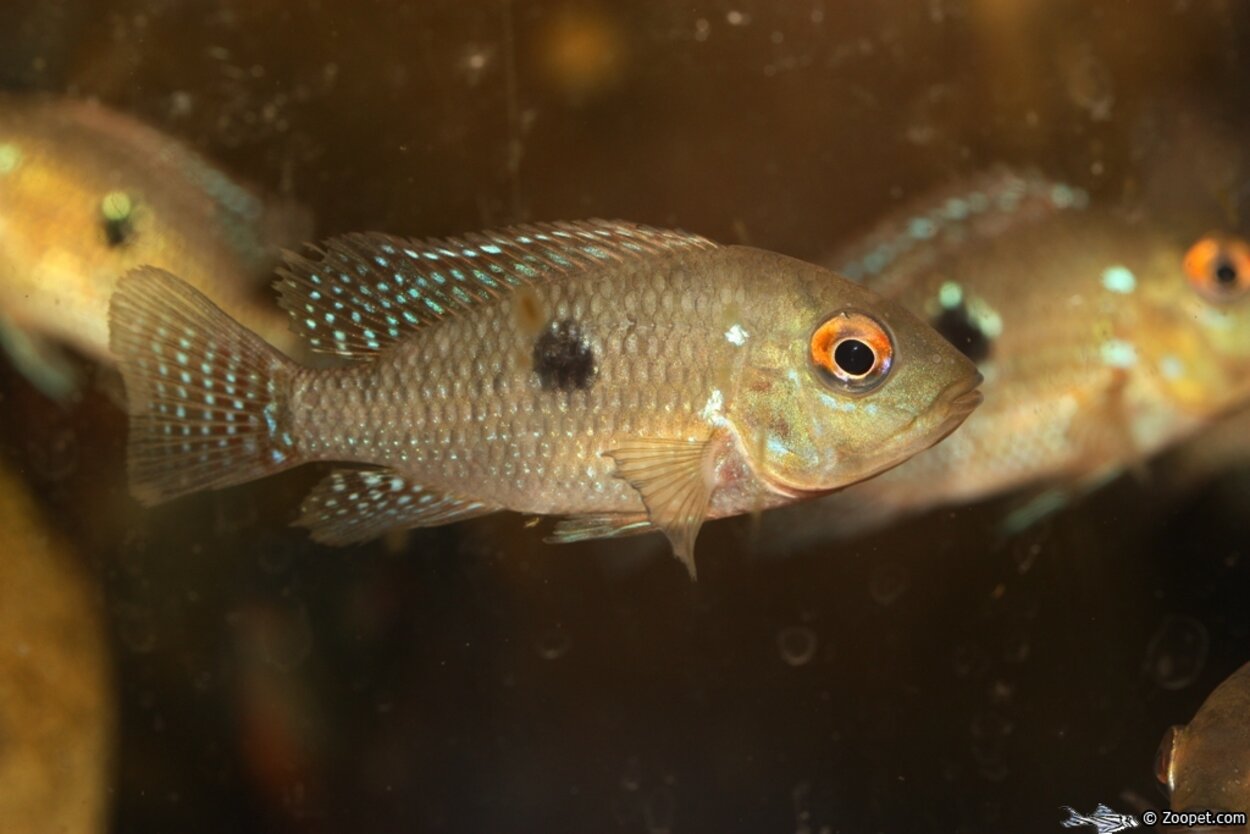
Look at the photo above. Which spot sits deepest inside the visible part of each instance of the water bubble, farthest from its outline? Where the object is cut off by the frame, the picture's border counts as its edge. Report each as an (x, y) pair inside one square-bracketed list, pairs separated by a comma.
[(889, 582), (276, 554), (797, 645), (658, 811), (631, 777), (553, 644), (278, 634), (1177, 652), (970, 660), (1024, 555), (136, 627)]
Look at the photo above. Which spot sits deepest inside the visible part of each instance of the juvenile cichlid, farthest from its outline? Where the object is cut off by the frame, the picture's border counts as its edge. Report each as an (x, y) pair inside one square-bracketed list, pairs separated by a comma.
[(1206, 764), (1102, 339), (87, 194), (626, 377)]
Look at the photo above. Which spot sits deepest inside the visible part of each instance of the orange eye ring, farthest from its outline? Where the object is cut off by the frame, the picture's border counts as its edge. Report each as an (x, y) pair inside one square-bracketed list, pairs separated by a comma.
[(852, 350), (1218, 268)]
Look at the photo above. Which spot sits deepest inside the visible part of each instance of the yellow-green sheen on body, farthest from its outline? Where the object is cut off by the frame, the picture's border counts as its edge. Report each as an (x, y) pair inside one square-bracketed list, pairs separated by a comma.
[(626, 377), (87, 194)]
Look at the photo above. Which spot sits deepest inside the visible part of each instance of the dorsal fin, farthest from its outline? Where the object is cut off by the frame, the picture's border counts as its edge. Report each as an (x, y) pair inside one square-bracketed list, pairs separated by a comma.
[(367, 291), (908, 241)]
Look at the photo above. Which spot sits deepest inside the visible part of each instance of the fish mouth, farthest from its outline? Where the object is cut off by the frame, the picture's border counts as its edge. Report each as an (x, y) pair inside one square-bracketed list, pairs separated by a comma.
[(963, 396), (960, 399)]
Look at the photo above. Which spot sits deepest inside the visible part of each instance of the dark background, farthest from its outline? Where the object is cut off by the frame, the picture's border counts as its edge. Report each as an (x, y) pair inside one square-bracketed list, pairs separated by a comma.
[(929, 679)]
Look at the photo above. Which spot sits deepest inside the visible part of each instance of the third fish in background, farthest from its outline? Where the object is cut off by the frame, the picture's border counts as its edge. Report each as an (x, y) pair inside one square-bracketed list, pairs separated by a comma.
[(86, 194), (1105, 334)]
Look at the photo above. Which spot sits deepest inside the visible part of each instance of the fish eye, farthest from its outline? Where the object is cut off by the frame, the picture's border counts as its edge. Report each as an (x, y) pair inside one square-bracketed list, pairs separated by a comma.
[(852, 350), (1164, 757), (1218, 268)]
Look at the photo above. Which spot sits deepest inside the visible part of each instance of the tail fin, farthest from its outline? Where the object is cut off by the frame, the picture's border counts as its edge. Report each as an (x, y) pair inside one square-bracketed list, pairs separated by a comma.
[(207, 398)]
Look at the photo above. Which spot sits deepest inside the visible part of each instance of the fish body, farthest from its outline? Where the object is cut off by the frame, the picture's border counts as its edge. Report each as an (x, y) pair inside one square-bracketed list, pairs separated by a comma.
[(87, 194), (1102, 340), (626, 378), (1206, 764)]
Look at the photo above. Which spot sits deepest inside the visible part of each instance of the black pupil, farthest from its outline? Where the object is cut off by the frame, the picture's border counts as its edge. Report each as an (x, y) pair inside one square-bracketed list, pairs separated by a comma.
[(1225, 273), (854, 357)]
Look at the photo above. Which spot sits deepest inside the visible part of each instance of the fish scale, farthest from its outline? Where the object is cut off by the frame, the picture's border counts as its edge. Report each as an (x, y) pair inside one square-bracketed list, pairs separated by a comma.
[(624, 377)]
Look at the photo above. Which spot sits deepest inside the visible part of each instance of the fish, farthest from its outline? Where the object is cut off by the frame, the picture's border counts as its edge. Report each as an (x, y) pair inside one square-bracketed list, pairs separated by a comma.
[(86, 194), (1103, 820), (1206, 764), (626, 378), (1103, 340)]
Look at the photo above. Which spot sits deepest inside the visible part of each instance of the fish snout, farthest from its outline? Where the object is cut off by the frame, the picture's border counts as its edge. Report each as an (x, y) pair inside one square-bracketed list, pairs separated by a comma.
[(959, 400), (962, 397)]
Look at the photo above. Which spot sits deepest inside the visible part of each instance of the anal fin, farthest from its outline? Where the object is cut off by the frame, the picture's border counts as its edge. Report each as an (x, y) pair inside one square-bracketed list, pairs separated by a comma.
[(675, 479), (354, 505)]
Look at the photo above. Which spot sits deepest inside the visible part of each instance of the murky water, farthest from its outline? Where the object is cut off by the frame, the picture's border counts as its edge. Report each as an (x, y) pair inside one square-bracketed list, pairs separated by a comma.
[(929, 678)]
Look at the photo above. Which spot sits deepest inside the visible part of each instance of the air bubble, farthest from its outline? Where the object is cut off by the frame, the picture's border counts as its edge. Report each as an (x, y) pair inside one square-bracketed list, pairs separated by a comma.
[(1177, 652), (658, 811), (888, 583), (797, 645), (553, 644)]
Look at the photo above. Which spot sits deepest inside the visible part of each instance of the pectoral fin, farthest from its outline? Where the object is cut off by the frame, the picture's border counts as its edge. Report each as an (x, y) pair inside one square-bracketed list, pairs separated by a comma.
[(352, 505), (581, 528), (675, 479), (42, 362)]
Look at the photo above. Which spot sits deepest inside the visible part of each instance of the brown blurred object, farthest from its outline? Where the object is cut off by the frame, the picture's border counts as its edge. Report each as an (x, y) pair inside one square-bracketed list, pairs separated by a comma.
[(1207, 763), (582, 52), (57, 718)]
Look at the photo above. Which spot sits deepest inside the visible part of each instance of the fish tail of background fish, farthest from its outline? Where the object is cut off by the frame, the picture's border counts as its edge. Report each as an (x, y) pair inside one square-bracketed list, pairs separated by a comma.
[(207, 397), (912, 238)]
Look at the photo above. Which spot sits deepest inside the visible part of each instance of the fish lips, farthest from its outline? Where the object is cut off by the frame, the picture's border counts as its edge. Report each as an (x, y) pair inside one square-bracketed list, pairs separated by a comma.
[(961, 399)]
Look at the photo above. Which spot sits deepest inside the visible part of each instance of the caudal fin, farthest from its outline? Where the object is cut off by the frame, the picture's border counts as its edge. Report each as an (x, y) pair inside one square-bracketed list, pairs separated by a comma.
[(207, 398)]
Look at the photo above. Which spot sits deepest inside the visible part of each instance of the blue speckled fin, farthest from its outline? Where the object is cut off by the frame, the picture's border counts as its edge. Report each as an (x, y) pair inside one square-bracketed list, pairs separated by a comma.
[(356, 505), (207, 398), (43, 363), (675, 479), (907, 242), (362, 292)]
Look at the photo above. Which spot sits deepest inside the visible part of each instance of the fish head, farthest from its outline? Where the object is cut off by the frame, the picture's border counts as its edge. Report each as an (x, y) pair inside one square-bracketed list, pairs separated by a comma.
[(845, 385), (66, 224), (1194, 322)]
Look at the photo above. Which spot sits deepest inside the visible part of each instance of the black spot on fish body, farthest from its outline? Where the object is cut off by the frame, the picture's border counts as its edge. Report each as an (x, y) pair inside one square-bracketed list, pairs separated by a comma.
[(563, 358), (957, 327)]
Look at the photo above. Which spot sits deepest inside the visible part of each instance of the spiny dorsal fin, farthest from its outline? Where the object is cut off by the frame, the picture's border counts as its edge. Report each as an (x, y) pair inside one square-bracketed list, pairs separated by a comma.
[(907, 242), (366, 291), (355, 505)]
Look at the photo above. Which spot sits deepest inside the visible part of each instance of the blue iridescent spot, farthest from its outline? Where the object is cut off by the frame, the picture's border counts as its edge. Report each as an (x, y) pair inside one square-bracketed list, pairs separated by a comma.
[(922, 228)]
